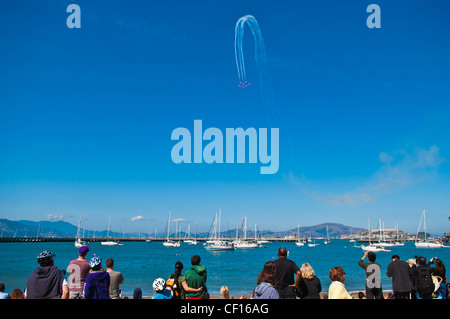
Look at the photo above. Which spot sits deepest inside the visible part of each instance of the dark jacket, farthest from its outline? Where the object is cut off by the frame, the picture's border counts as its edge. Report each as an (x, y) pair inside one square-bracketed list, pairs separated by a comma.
[(309, 288), (401, 274), (97, 285), (45, 283)]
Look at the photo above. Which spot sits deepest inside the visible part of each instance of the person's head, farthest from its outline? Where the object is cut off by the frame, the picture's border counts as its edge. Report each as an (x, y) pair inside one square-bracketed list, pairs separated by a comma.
[(268, 274), (45, 258), (137, 293), (360, 295), (337, 274), (282, 252), (82, 252), (178, 268), (421, 261), (307, 271), (2, 287), (439, 265), (95, 263), (224, 291), (159, 285), (16, 294), (411, 262), (109, 263), (395, 257), (372, 256), (195, 260)]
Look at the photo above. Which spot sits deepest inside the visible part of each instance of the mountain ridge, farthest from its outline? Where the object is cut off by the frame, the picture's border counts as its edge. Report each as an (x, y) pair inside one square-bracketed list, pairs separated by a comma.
[(28, 228)]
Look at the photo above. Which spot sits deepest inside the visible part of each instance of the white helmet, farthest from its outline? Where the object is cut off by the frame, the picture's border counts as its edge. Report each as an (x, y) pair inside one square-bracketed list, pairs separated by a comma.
[(159, 284)]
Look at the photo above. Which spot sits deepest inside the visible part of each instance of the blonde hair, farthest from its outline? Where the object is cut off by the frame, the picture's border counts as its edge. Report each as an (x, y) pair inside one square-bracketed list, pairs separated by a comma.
[(224, 290), (307, 271)]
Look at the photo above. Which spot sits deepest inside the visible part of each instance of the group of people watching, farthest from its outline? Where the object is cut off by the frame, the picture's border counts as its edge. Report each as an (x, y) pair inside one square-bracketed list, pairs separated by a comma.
[(415, 279), (279, 279)]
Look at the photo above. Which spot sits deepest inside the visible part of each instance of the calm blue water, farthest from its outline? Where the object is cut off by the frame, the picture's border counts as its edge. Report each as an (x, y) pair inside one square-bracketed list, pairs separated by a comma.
[(141, 263)]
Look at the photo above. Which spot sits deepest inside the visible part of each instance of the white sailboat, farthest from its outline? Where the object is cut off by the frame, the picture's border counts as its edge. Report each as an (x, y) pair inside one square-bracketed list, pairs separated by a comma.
[(382, 242), (243, 243), (372, 247), (109, 242), (426, 243), (327, 241), (311, 242), (216, 243), (78, 242), (168, 242), (298, 242), (398, 242), (188, 240)]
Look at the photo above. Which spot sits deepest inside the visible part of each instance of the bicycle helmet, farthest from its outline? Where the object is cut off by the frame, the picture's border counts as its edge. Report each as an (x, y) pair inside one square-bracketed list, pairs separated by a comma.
[(159, 284), (46, 254), (95, 261)]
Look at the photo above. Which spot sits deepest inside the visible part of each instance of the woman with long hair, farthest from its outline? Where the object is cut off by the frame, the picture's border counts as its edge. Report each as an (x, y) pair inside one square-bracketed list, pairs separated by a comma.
[(266, 283), (180, 286)]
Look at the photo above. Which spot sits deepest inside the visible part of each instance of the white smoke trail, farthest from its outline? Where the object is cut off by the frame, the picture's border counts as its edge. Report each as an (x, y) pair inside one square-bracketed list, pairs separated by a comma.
[(271, 111)]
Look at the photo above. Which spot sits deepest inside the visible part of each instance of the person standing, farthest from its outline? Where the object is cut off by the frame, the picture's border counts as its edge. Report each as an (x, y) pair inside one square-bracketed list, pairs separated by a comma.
[(78, 270), (424, 285), (310, 286), (196, 278), (337, 289), (373, 276), (401, 274), (97, 281), (286, 270), (266, 283), (47, 281), (116, 279), (178, 283)]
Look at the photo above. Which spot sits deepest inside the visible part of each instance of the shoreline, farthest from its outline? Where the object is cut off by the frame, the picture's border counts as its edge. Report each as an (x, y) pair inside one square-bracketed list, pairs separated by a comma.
[(323, 295)]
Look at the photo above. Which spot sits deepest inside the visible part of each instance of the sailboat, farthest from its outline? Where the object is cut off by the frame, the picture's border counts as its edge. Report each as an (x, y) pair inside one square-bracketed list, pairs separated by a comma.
[(168, 242), (109, 242), (188, 240), (327, 241), (78, 242), (216, 243), (383, 242), (313, 244), (372, 247), (398, 242), (298, 242), (243, 243), (426, 243)]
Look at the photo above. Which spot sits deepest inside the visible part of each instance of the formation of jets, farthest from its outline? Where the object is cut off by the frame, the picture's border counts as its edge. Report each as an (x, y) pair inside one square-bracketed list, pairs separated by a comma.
[(243, 84)]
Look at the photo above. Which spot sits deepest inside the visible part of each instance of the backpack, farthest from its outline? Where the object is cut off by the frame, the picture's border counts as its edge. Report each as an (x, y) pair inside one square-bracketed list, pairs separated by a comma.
[(172, 286), (424, 281)]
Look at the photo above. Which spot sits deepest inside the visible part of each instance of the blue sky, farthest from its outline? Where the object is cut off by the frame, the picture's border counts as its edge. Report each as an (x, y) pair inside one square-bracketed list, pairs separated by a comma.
[(86, 114)]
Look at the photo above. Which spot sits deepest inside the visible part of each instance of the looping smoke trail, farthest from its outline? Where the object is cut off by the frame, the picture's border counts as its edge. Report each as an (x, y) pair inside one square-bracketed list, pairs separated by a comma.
[(272, 112), (260, 51)]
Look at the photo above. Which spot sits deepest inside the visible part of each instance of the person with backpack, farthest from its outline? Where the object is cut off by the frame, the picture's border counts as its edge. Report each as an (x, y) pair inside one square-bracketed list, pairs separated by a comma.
[(178, 285), (424, 285)]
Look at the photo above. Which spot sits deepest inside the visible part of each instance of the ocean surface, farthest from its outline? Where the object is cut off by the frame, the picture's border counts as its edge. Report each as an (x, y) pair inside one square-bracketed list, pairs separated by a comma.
[(141, 263)]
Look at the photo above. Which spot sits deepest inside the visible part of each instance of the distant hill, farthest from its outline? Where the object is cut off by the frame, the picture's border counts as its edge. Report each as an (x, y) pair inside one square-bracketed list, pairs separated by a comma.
[(27, 228)]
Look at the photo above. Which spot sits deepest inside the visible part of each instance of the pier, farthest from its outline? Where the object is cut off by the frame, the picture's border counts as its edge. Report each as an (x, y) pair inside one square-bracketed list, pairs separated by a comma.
[(118, 239)]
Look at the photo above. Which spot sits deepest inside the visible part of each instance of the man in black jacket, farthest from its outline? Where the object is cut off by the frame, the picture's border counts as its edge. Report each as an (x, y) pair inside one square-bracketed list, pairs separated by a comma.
[(401, 274)]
